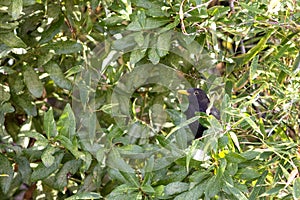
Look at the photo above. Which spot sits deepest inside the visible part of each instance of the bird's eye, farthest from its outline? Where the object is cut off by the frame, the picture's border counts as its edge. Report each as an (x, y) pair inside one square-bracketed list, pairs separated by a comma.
[(196, 92)]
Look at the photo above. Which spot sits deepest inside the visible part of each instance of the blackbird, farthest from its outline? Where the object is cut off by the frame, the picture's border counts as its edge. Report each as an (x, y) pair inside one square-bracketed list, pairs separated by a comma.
[(198, 102)]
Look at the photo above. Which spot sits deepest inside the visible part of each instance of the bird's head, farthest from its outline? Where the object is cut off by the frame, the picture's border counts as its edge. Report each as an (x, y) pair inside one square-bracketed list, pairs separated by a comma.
[(198, 100)]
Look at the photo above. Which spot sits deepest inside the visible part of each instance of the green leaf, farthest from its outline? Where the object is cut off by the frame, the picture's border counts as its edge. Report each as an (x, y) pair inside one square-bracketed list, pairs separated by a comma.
[(6, 173), (253, 125), (183, 124), (41, 171), (52, 30), (40, 139), (49, 124), (4, 95), (85, 195), (250, 8), (235, 191), (213, 187), (5, 108), (193, 194), (245, 58), (72, 147), (115, 161), (11, 40), (4, 69), (258, 186), (149, 24), (123, 191), (25, 102), (176, 188), (33, 82), (24, 169), (248, 173), (137, 55), (16, 8), (164, 43), (153, 56), (64, 47), (68, 169), (296, 188), (233, 157), (253, 69), (66, 124), (148, 189), (47, 156), (296, 66), (57, 75)]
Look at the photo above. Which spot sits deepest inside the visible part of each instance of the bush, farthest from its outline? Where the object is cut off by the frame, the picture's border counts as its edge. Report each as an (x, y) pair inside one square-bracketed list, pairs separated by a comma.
[(90, 110)]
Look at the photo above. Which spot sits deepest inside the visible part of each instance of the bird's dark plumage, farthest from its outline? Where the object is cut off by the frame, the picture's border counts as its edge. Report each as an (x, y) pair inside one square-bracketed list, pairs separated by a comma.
[(198, 102)]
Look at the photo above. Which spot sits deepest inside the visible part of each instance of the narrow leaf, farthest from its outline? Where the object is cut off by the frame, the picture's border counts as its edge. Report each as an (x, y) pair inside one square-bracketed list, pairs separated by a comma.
[(16, 8), (47, 156), (6, 173), (11, 40), (33, 82), (66, 124), (296, 188), (258, 186), (42, 172), (57, 75), (49, 124)]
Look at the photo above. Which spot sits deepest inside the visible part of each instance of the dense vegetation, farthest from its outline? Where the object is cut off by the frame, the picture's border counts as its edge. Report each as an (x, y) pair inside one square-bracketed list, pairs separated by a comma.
[(90, 110)]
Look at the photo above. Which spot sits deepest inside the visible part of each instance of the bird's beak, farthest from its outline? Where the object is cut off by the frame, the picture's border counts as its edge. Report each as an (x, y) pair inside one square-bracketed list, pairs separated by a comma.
[(185, 92)]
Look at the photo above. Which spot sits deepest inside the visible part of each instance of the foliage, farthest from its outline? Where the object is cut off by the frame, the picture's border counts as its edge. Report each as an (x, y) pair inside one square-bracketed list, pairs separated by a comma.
[(89, 108)]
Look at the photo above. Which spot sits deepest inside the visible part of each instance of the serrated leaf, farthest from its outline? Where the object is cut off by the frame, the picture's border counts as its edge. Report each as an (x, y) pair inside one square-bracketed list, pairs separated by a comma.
[(16, 8), (57, 75), (41, 171), (33, 82), (12, 40), (6, 173), (49, 124)]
